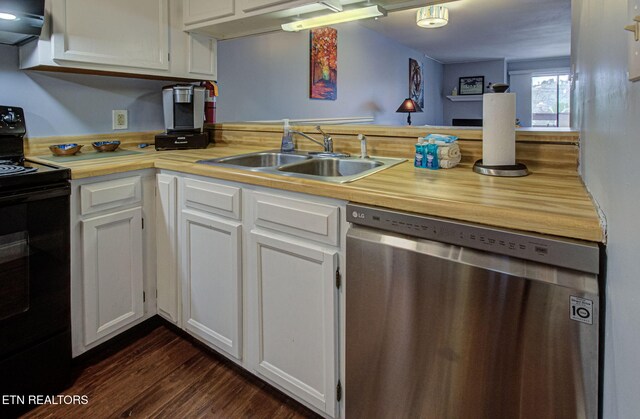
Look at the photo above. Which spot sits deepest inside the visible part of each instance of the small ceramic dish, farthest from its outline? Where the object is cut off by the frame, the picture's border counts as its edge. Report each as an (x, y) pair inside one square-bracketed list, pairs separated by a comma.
[(65, 149), (110, 145), (500, 87)]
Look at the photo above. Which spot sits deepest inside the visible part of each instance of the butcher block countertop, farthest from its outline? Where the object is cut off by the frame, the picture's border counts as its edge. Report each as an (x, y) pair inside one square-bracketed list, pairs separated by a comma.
[(543, 202)]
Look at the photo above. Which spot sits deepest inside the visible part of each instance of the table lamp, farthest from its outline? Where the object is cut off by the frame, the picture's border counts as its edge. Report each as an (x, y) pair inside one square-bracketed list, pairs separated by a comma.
[(409, 106)]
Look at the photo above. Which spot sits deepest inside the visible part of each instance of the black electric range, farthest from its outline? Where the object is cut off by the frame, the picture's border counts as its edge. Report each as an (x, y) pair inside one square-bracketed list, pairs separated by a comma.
[(15, 171), (35, 322)]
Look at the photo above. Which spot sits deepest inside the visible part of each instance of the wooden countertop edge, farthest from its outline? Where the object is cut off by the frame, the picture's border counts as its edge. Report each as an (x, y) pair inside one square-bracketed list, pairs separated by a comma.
[(582, 229), (534, 220)]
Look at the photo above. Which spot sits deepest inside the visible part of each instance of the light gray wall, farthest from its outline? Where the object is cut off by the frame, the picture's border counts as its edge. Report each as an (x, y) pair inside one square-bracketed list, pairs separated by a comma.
[(606, 109), (266, 77), (520, 84), (494, 71), (73, 104)]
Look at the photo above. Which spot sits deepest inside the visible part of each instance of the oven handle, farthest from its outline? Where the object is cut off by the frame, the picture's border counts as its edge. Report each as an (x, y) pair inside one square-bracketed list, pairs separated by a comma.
[(35, 194)]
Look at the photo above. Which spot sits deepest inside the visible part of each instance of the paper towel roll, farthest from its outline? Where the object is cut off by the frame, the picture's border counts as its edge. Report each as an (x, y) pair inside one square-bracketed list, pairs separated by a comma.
[(498, 129)]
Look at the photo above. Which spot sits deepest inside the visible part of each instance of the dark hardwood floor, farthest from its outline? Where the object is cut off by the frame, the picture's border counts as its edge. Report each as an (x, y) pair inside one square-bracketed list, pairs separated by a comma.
[(165, 375)]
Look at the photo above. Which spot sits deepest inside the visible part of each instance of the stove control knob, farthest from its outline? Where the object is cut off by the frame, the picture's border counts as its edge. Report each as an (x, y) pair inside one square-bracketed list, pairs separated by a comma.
[(10, 118)]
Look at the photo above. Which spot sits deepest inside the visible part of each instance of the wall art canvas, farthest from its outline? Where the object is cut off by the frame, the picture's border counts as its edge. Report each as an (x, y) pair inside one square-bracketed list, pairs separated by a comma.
[(416, 84), (324, 64)]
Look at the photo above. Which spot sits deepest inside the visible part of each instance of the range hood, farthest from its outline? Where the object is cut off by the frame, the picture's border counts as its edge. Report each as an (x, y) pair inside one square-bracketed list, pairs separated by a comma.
[(20, 20)]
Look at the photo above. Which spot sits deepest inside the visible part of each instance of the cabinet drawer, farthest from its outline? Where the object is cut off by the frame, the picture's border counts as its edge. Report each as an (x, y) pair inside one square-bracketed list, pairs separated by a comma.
[(212, 198), (100, 196), (309, 220)]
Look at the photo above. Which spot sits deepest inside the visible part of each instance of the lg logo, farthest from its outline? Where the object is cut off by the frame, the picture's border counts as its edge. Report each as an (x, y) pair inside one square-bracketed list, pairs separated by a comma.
[(357, 214)]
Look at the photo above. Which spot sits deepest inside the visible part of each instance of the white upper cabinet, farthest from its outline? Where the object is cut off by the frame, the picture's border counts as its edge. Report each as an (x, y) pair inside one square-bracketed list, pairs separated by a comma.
[(141, 38), (196, 11), (224, 19), (202, 54), (251, 5), (114, 32)]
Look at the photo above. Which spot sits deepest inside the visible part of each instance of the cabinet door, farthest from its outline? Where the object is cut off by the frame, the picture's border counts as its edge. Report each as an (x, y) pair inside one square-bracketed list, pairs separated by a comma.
[(196, 11), (166, 248), (112, 272), (294, 321), (115, 32), (202, 56), (212, 280)]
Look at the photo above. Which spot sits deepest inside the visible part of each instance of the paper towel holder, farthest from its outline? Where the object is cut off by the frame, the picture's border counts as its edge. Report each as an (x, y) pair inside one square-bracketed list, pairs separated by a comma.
[(515, 170)]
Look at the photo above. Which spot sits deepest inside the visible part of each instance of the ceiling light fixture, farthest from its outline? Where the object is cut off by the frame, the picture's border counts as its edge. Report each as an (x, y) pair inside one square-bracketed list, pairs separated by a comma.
[(7, 16), (331, 19), (432, 16)]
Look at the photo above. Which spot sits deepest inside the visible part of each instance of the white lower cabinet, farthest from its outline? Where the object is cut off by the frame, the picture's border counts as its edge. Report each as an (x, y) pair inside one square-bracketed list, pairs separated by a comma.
[(113, 272), (212, 280), (112, 268), (168, 286), (294, 322), (251, 272)]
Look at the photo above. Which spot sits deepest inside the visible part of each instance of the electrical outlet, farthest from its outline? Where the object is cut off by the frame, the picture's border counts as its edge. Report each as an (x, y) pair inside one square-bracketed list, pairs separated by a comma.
[(120, 119)]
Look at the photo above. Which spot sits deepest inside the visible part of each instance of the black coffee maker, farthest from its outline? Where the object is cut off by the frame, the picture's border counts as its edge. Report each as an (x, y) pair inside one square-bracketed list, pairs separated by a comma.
[(183, 118)]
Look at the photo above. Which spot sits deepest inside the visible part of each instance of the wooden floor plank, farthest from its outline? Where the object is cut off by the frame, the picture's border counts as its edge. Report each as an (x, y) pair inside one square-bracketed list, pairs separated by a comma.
[(212, 391), (153, 399), (164, 375)]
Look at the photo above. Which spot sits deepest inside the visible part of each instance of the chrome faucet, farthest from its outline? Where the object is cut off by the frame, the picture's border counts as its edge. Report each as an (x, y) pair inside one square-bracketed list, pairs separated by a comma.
[(327, 143)]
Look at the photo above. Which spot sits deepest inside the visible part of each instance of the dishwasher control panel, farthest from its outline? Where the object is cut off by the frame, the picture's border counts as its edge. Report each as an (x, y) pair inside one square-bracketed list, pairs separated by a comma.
[(572, 254)]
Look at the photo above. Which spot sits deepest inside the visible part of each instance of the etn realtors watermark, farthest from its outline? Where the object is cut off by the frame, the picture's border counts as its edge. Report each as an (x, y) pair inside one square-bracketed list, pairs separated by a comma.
[(40, 399)]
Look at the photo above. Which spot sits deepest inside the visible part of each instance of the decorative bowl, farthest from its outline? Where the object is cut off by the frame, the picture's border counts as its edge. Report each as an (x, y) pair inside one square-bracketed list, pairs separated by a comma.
[(110, 145), (500, 87), (65, 149)]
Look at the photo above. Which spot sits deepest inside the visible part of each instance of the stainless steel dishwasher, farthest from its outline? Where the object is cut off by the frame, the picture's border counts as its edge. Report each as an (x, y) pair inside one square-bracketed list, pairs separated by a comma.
[(447, 319)]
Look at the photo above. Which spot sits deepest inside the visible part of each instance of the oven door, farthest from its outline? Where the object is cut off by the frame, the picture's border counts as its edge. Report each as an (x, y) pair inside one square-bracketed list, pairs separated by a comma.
[(34, 266)]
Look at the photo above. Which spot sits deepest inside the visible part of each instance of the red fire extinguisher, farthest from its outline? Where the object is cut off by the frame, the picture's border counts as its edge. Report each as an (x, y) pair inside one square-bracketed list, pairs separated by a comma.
[(211, 92)]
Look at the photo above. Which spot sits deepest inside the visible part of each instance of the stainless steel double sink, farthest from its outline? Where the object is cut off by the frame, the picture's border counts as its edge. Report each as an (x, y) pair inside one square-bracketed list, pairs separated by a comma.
[(307, 166)]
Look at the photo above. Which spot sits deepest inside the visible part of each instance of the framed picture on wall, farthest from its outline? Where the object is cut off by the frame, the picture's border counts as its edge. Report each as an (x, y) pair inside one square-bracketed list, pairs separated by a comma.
[(323, 52), (471, 85), (416, 84)]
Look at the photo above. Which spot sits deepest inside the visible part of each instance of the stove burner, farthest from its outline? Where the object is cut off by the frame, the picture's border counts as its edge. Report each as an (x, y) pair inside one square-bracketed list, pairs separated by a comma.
[(6, 162), (9, 169)]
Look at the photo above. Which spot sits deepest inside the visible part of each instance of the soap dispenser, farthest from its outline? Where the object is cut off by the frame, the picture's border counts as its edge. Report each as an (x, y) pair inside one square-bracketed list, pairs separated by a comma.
[(287, 138)]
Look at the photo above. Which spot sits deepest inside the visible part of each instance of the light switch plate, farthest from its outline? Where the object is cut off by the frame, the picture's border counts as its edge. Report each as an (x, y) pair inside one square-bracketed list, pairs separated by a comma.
[(633, 46), (120, 119)]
